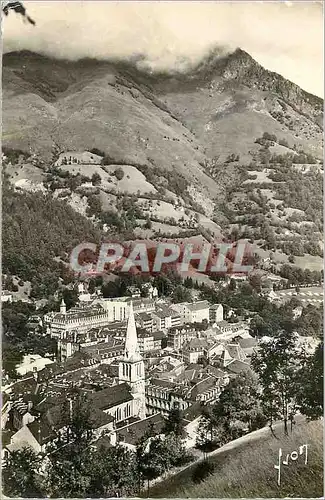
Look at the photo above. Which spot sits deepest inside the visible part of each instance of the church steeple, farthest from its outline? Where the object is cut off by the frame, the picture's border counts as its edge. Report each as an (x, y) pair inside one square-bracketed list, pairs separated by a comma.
[(131, 350), (131, 368)]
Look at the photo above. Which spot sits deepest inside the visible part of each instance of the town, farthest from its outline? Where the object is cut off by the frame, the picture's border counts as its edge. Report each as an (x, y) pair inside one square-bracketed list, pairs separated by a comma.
[(162, 259), (138, 359)]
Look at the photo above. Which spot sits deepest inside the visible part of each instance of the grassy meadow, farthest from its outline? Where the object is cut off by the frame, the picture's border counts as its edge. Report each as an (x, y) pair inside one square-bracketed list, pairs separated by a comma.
[(248, 471)]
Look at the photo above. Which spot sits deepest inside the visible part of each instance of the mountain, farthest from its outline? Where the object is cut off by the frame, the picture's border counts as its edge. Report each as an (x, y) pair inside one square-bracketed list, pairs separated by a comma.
[(227, 147), (174, 121)]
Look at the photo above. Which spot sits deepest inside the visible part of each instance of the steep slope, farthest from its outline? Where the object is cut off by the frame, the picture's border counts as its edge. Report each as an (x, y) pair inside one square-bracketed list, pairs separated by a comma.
[(196, 139), (246, 470), (171, 121), (83, 109), (230, 101)]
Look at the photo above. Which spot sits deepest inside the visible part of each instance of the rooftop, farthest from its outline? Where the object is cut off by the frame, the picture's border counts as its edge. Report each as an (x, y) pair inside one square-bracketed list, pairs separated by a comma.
[(112, 396), (133, 432), (197, 306)]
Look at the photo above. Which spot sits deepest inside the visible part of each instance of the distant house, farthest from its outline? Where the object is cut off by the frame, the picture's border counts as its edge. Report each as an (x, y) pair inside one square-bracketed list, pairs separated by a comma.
[(134, 292), (178, 335), (145, 341), (231, 329), (193, 312), (104, 351), (150, 341), (78, 158), (144, 320), (6, 296), (193, 350), (158, 338), (143, 305), (165, 317), (216, 313)]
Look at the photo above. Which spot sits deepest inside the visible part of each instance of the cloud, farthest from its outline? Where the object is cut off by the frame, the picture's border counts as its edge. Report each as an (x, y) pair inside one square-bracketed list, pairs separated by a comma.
[(173, 35)]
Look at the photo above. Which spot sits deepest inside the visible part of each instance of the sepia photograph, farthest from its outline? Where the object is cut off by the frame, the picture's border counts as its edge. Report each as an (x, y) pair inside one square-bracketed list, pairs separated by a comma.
[(162, 248)]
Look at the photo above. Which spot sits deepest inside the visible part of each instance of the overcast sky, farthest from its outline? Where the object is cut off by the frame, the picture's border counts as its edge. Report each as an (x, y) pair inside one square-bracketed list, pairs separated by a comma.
[(286, 37)]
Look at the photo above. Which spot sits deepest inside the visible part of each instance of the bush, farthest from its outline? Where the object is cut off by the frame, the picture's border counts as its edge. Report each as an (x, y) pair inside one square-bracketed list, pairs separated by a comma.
[(96, 179), (119, 173), (284, 143), (202, 471)]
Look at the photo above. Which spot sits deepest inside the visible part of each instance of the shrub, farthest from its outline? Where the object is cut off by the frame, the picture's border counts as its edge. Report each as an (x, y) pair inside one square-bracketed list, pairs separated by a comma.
[(119, 173), (202, 471)]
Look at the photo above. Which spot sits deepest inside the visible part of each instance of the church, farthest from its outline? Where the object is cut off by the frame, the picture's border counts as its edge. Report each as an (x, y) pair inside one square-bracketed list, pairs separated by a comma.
[(127, 399)]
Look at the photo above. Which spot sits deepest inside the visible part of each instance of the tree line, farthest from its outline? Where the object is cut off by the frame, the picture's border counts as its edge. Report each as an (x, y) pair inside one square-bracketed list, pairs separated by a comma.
[(74, 465)]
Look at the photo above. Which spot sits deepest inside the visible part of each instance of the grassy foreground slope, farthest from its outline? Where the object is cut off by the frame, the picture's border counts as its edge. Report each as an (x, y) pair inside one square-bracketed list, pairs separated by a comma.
[(248, 470)]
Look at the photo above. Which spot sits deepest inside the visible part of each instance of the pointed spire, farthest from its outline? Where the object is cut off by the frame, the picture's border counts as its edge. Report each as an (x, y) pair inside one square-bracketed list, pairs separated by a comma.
[(131, 350)]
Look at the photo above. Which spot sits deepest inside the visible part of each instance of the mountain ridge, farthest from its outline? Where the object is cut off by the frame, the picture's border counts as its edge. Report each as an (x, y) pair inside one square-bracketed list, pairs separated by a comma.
[(227, 149)]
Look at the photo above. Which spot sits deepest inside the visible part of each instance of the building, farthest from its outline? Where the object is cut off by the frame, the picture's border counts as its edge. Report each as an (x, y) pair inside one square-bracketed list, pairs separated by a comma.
[(165, 317), (159, 340), (178, 335), (134, 291), (117, 308), (146, 341), (74, 341), (83, 294), (104, 352), (32, 363), (193, 312), (144, 320), (131, 368), (143, 305), (117, 405), (78, 158), (232, 329), (216, 313), (163, 395), (152, 291), (194, 349), (80, 318), (6, 296)]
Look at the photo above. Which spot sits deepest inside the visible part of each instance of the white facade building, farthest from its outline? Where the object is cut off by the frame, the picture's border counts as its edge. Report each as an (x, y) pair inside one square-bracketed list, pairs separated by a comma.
[(193, 312)]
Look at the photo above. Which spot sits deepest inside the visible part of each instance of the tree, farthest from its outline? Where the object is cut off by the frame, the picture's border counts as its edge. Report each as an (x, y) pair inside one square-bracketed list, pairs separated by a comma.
[(20, 474), (238, 404), (311, 394), (119, 173), (232, 284), (237, 411), (114, 472), (277, 364), (96, 179), (156, 455), (11, 357), (70, 468), (148, 223), (255, 280), (174, 423), (70, 297), (181, 294), (310, 322)]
